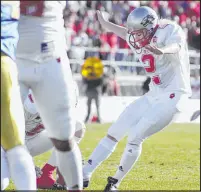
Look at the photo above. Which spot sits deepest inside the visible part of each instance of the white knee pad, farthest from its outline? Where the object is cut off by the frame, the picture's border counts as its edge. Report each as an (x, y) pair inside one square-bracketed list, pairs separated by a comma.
[(79, 131)]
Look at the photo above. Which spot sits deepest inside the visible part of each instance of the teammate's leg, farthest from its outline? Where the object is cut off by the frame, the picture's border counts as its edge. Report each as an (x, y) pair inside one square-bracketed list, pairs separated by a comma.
[(46, 180), (79, 134), (80, 129), (157, 117), (12, 128), (38, 145), (54, 96), (5, 176), (116, 132)]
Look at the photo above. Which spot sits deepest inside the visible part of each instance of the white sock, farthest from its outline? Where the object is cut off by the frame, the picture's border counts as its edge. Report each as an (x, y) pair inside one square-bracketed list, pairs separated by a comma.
[(52, 160), (21, 168), (70, 166), (104, 149), (129, 157)]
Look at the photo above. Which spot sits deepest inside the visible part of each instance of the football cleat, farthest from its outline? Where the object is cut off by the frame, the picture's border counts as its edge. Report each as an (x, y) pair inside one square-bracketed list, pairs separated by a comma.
[(86, 183), (57, 186), (111, 184)]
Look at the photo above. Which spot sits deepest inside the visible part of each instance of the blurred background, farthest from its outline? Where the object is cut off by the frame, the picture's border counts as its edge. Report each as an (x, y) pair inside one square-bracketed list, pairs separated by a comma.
[(122, 74)]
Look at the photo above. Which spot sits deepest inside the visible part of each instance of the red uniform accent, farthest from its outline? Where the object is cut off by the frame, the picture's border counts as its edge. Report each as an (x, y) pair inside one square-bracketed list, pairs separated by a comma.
[(172, 96), (32, 8), (46, 180)]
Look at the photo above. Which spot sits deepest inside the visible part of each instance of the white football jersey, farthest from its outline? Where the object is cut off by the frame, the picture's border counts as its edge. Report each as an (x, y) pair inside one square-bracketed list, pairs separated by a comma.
[(169, 72), (41, 30)]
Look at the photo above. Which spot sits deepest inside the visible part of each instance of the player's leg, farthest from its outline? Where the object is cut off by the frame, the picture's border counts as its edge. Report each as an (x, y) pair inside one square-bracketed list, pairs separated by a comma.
[(116, 132), (79, 134), (46, 179), (89, 102), (80, 129), (157, 117), (24, 91), (97, 103), (12, 128), (54, 100), (5, 176), (41, 144), (37, 146)]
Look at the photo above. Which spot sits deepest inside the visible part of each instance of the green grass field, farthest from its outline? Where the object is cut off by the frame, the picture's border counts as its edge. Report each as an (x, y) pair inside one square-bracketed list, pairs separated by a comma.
[(170, 160)]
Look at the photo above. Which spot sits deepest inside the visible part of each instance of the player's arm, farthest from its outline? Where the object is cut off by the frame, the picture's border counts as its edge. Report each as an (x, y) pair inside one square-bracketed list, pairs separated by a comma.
[(173, 42), (118, 30), (172, 48), (168, 49)]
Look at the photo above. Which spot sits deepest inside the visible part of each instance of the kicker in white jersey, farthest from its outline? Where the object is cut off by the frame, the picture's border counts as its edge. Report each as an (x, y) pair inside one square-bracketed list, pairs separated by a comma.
[(168, 72), (161, 47)]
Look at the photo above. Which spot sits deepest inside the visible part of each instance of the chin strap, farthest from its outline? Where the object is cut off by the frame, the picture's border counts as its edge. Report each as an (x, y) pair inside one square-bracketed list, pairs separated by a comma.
[(153, 32)]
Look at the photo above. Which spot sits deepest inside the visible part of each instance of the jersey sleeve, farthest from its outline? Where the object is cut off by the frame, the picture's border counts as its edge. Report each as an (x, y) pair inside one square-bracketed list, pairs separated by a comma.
[(175, 34)]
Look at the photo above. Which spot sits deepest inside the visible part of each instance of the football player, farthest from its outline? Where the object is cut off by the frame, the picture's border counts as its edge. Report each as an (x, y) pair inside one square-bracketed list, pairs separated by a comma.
[(15, 159), (38, 142), (44, 68), (162, 49)]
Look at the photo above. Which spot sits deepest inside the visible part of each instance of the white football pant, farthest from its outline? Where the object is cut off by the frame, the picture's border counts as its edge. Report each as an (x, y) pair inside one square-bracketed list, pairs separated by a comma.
[(41, 143), (146, 116), (53, 89)]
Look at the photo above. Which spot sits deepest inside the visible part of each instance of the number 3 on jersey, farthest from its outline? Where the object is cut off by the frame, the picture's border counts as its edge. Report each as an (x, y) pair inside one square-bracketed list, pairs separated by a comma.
[(150, 67)]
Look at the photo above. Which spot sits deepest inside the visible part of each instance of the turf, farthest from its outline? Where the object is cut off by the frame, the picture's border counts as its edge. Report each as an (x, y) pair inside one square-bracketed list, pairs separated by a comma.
[(170, 160)]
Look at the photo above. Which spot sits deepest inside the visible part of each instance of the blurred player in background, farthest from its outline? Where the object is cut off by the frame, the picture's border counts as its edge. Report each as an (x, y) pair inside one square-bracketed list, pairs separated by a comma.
[(16, 162), (38, 142), (162, 49), (44, 68), (92, 74)]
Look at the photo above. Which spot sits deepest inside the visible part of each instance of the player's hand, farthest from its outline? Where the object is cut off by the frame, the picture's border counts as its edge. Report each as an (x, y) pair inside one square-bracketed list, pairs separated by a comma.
[(100, 17), (154, 49)]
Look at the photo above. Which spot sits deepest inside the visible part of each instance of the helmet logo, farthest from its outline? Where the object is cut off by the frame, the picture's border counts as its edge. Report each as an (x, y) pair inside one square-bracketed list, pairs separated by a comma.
[(147, 20)]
